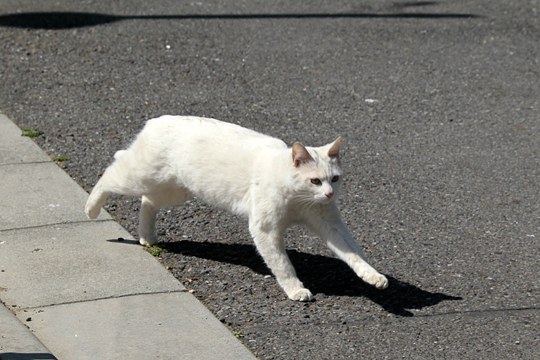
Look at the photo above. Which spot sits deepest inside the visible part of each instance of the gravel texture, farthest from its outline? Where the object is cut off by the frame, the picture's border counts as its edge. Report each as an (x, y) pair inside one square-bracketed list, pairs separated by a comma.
[(438, 103)]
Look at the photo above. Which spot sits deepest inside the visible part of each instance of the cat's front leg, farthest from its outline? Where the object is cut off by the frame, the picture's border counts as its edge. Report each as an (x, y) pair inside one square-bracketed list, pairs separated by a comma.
[(338, 242), (270, 245), (331, 228), (354, 257)]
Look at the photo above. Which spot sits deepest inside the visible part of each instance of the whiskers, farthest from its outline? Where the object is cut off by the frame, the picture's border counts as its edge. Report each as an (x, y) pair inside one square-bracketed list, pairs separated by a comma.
[(304, 201)]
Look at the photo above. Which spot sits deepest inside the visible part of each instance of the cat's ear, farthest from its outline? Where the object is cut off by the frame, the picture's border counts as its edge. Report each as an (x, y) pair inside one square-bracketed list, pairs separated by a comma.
[(300, 155), (333, 151)]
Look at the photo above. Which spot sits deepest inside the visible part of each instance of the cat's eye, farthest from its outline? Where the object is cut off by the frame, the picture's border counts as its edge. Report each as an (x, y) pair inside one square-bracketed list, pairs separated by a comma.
[(316, 181), (335, 178)]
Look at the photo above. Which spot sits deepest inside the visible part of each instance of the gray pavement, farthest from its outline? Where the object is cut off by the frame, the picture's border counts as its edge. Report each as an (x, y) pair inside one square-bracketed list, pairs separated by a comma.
[(76, 289)]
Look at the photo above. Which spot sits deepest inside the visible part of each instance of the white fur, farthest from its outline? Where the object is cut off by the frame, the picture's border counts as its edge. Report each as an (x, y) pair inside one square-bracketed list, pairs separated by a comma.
[(244, 172)]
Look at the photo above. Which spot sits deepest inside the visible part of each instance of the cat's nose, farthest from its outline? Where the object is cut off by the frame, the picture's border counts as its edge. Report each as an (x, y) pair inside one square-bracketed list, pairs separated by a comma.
[(329, 194)]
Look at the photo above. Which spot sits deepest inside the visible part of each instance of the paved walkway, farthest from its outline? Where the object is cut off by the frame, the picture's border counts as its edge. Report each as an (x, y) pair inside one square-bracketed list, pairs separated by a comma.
[(73, 288)]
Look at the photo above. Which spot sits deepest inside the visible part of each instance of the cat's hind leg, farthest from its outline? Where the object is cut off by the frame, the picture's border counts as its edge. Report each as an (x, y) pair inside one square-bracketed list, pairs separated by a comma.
[(147, 222), (150, 205)]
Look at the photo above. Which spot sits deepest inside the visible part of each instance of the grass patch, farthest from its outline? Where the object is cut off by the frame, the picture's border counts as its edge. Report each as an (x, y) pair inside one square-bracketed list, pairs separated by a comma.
[(155, 250), (31, 133), (238, 334), (61, 158)]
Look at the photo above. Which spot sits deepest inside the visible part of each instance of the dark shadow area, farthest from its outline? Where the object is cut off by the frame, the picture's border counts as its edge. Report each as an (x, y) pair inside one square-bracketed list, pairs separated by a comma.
[(320, 274), (69, 20), (26, 356), (124, 241), (407, 4)]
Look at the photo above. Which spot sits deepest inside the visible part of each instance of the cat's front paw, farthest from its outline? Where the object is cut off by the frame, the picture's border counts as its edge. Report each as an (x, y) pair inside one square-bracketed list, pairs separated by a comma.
[(301, 294)]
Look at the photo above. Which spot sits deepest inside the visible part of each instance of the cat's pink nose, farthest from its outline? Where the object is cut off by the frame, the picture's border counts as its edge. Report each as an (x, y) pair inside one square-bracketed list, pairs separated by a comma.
[(329, 195)]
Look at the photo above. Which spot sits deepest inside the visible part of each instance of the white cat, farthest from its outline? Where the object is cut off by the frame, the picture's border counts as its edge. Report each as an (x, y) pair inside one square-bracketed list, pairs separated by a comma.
[(175, 158)]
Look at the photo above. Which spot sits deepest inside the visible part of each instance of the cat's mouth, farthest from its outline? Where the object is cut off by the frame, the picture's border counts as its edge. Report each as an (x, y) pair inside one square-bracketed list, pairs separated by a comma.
[(324, 200)]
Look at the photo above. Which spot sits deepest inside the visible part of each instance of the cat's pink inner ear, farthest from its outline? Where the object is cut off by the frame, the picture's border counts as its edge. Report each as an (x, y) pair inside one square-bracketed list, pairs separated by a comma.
[(333, 152), (300, 154)]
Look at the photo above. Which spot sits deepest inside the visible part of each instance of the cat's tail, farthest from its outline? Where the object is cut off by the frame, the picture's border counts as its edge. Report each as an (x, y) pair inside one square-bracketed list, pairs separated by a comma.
[(97, 199), (123, 177), (119, 154), (99, 193)]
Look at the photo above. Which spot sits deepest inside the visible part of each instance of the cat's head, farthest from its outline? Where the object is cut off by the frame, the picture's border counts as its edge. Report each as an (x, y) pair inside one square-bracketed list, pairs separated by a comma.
[(317, 172)]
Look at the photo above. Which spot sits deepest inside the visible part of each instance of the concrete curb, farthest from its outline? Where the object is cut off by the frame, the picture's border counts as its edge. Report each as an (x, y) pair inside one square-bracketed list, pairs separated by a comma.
[(81, 292)]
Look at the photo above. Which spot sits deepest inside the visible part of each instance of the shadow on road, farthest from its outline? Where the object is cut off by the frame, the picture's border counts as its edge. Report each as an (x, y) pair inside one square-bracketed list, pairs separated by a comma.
[(26, 356), (69, 20), (319, 273)]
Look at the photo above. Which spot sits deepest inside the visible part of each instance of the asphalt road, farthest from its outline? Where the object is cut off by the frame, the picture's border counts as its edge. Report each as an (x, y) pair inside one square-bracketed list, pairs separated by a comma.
[(438, 103)]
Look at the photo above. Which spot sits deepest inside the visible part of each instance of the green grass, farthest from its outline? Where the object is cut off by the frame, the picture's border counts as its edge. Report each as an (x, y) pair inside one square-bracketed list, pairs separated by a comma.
[(31, 133), (238, 334), (155, 250), (61, 158)]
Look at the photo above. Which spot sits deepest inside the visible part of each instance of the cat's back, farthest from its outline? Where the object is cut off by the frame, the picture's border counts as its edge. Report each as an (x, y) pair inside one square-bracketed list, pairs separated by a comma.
[(215, 160), (200, 131)]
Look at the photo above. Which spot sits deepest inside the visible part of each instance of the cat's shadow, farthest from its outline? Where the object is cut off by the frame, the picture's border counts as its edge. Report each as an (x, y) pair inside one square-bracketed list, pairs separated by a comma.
[(321, 274)]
